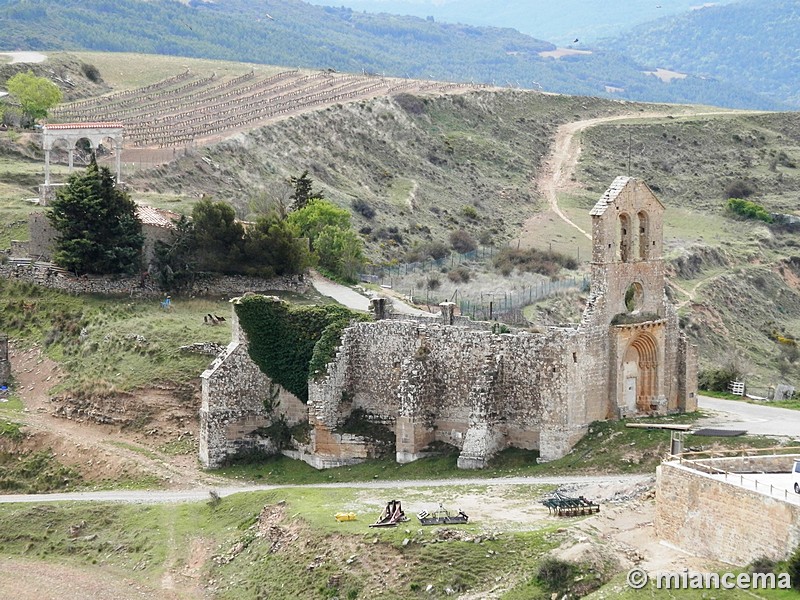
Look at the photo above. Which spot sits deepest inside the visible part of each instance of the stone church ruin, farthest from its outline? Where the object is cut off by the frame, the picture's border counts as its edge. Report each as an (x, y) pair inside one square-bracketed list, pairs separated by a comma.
[(451, 380)]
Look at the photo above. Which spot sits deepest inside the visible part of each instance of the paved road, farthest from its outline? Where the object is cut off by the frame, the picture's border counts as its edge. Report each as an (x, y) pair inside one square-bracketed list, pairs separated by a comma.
[(757, 419), (174, 496), (352, 299), (777, 485)]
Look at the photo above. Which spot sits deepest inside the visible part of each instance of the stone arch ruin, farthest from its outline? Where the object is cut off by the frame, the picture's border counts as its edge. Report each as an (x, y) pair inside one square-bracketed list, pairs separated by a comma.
[(98, 134), (454, 381)]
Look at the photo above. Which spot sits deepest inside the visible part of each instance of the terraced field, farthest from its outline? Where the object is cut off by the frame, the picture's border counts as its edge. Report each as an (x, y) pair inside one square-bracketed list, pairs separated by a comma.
[(188, 108)]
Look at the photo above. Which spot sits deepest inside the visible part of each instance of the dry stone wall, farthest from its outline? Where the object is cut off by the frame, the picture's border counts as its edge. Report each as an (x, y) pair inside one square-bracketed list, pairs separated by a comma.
[(142, 286)]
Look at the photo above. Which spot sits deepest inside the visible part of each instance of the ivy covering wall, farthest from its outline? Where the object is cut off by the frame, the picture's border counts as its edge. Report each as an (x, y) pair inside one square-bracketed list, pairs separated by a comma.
[(291, 343)]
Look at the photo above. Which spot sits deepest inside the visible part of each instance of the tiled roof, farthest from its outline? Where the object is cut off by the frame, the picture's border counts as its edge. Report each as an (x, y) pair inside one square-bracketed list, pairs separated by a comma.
[(611, 194), (93, 125), (158, 217)]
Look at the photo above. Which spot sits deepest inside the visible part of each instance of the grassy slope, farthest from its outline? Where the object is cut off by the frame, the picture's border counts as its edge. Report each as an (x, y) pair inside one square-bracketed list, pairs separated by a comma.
[(139, 542), (95, 339), (418, 161)]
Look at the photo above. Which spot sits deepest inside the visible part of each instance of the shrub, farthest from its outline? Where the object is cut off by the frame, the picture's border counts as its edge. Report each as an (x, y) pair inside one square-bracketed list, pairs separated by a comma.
[(749, 210), (716, 380), (469, 212), (436, 250), (763, 565), (433, 283), (363, 208), (533, 260), (91, 72), (462, 242), (459, 275), (739, 189), (555, 575), (793, 568)]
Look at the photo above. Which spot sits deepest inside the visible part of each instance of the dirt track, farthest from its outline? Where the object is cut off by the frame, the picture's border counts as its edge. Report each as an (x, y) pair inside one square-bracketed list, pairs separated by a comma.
[(555, 177)]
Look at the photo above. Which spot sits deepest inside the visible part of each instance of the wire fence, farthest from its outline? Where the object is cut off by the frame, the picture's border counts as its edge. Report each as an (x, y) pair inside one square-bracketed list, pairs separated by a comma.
[(505, 306), (508, 306), (386, 274)]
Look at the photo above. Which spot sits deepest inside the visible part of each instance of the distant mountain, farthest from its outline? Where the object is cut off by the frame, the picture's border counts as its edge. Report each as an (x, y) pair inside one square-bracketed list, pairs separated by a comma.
[(297, 34), (560, 22), (754, 44)]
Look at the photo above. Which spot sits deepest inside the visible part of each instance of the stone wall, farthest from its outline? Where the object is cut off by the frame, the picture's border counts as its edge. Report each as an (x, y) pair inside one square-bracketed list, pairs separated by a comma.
[(708, 517), (478, 391), (223, 286), (41, 237), (234, 391)]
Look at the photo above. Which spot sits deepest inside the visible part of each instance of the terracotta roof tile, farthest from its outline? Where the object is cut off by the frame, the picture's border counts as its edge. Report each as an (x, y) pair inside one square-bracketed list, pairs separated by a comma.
[(92, 125), (158, 217)]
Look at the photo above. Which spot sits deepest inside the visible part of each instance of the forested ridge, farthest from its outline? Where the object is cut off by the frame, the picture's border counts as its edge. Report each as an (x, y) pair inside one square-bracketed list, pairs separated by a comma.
[(296, 34), (751, 44)]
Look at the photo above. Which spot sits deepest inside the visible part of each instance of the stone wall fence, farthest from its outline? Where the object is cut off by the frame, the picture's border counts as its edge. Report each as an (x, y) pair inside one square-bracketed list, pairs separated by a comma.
[(143, 286)]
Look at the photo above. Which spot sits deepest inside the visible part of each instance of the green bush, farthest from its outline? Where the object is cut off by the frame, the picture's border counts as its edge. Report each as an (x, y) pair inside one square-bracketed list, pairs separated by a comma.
[(469, 211), (793, 568), (749, 210), (555, 575), (716, 380), (291, 343), (533, 260)]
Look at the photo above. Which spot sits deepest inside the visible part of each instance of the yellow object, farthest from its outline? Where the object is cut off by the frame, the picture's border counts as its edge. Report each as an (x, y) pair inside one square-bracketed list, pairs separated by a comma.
[(345, 516)]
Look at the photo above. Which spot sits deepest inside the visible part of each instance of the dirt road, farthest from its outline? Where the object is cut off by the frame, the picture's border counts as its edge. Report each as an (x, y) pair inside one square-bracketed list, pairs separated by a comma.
[(555, 177), (202, 493)]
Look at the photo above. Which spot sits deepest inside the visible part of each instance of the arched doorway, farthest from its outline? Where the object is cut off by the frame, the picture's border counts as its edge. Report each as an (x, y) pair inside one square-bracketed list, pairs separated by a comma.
[(640, 374)]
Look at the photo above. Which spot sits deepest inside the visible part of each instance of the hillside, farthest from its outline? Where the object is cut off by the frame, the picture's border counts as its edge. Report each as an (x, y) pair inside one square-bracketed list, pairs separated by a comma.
[(426, 165), (559, 22), (750, 44), (288, 32), (419, 166)]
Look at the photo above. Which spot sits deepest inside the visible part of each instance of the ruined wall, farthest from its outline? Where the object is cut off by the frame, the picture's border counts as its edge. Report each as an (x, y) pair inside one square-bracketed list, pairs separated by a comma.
[(711, 518), (461, 386), (452, 380), (232, 410), (42, 237)]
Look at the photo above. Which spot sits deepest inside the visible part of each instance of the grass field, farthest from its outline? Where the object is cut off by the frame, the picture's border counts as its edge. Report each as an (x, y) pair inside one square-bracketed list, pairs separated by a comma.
[(123, 70), (266, 554), (107, 344), (610, 447)]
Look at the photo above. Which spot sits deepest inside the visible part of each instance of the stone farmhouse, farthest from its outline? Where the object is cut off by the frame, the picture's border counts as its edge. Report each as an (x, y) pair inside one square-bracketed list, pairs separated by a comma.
[(452, 380)]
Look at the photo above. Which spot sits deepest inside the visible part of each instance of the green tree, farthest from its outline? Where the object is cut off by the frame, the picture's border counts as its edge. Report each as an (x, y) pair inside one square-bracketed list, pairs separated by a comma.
[(175, 260), (218, 237), (271, 248), (318, 214), (303, 193), (340, 251), (36, 95), (97, 228)]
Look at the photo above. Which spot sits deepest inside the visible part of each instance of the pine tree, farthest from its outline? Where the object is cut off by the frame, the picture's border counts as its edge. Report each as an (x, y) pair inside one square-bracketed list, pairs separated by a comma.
[(97, 226)]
